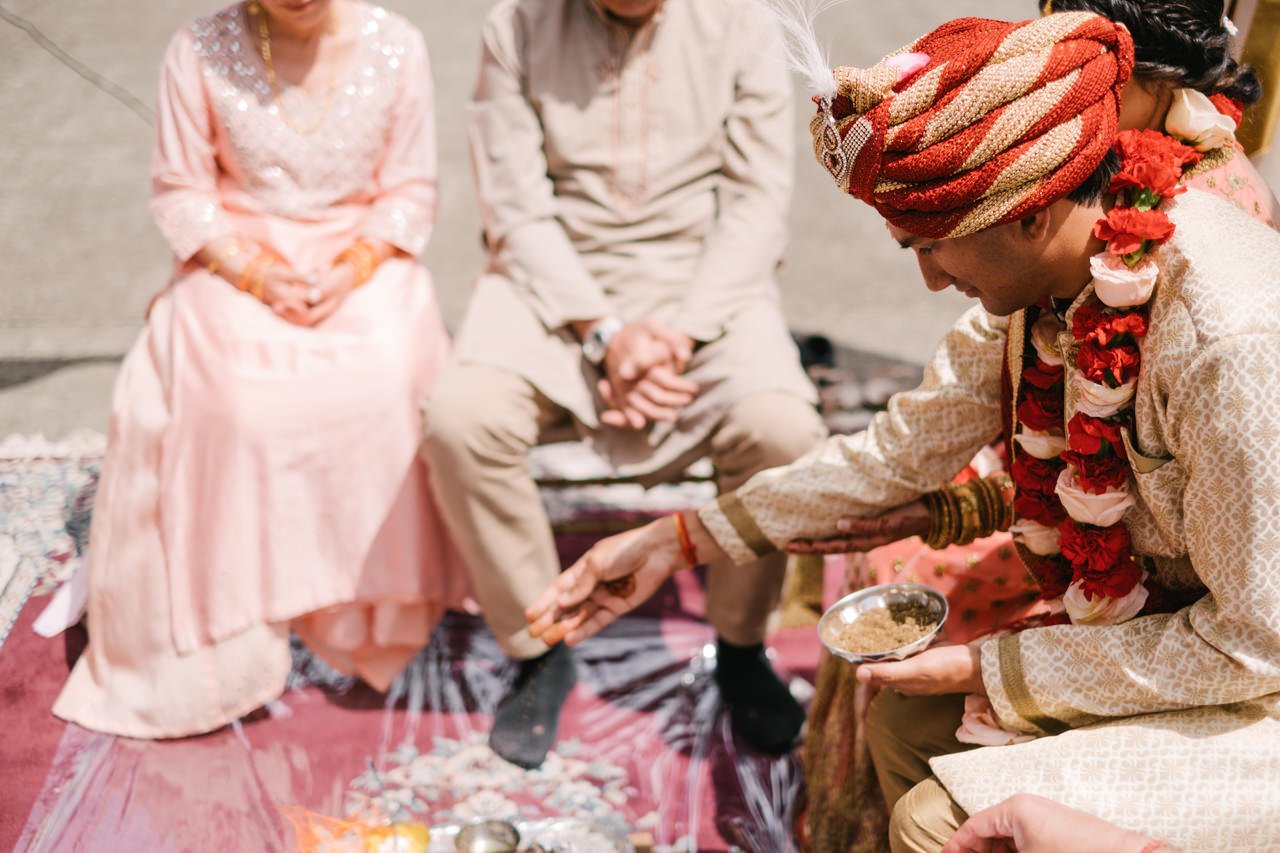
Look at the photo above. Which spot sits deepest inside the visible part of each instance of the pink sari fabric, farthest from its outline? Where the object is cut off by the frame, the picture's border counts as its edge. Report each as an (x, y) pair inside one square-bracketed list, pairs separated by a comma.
[(262, 476), (1239, 183)]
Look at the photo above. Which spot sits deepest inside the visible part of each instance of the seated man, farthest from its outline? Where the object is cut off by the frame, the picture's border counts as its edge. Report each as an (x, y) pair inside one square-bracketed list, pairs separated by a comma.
[(633, 161), (1137, 327)]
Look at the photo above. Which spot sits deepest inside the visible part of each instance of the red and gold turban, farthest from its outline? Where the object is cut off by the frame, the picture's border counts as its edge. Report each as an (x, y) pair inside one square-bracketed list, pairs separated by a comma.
[(1003, 120)]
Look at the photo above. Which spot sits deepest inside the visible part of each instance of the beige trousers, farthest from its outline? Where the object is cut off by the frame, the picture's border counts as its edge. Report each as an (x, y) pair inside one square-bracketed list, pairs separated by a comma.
[(903, 733), (481, 422)]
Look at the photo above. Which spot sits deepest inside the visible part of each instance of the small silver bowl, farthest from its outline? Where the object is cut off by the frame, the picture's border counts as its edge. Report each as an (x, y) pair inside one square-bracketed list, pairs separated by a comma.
[(489, 836), (849, 608)]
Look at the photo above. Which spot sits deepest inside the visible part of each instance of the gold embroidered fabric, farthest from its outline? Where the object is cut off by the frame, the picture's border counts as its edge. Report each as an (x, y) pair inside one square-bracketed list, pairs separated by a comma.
[(1191, 698), (1174, 719), (916, 446)]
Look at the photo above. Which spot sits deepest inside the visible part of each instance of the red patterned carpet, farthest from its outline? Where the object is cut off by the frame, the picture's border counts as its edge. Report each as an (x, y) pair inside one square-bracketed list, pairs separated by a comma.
[(643, 746)]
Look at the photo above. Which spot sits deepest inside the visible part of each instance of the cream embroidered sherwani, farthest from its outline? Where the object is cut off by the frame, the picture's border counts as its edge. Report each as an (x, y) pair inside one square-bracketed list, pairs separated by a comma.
[(1167, 724), (641, 174)]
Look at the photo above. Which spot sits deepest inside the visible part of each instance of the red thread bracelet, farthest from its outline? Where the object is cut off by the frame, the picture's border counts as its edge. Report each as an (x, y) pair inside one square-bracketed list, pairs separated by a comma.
[(687, 549)]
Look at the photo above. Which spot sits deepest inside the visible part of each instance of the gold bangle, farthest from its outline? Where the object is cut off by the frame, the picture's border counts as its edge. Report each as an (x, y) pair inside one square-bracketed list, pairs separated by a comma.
[(1006, 494), (967, 510), (940, 520), (361, 256), (216, 264), (947, 530), (990, 507), (256, 286), (246, 275), (931, 504)]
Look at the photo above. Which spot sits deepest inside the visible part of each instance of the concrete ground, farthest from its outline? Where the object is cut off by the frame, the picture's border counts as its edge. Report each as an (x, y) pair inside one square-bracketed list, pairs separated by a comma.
[(79, 257)]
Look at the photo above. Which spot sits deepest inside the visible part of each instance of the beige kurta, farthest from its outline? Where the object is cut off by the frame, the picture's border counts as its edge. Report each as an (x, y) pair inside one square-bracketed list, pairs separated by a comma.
[(1170, 724), (641, 174)]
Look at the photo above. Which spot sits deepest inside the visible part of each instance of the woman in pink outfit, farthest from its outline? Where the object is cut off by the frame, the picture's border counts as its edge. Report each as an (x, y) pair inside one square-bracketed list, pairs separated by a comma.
[(262, 472)]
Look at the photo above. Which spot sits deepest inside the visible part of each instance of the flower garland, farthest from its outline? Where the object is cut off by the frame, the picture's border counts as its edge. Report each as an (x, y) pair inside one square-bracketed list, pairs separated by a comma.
[(1074, 486)]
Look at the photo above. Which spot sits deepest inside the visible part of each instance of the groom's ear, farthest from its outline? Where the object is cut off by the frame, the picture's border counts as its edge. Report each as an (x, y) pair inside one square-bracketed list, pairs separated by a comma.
[(1036, 227)]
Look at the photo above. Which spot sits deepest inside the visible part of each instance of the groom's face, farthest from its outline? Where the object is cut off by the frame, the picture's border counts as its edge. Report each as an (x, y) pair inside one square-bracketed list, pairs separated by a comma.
[(996, 266)]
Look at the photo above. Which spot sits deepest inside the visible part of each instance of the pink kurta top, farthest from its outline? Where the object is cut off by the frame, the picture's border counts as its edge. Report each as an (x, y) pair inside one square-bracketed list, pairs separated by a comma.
[(227, 161)]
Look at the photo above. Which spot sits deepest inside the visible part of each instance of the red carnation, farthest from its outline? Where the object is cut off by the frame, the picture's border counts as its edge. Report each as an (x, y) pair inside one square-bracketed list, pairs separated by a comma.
[(1043, 507), (1094, 321), (1054, 575), (1041, 411), (1159, 176), (1088, 435), (1155, 147), (1036, 497), (1042, 375), (1116, 581), (1097, 474), (1088, 317), (1035, 475), (1126, 228), (1228, 106), (1094, 551), (1112, 366)]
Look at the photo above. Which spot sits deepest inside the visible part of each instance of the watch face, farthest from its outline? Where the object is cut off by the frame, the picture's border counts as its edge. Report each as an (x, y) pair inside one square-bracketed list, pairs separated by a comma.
[(597, 341)]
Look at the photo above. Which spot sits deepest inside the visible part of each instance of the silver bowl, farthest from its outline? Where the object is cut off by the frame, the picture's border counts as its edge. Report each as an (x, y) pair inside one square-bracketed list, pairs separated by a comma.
[(855, 604)]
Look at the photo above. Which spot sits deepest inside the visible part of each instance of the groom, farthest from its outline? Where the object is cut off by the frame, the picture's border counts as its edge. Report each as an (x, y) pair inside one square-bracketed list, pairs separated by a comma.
[(1128, 340)]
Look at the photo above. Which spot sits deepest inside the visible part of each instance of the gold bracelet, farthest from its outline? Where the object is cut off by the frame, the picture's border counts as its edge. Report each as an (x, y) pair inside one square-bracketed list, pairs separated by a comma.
[(941, 517), (967, 505), (242, 283), (251, 280), (216, 264), (990, 506), (361, 256), (950, 519), (931, 504), (257, 285), (1004, 494)]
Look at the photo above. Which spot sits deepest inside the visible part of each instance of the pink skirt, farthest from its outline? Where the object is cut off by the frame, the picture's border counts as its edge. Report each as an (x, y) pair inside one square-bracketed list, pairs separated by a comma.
[(262, 477)]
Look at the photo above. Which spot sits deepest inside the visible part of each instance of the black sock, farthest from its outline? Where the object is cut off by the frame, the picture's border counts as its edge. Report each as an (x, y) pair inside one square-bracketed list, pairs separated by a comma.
[(762, 708), (524, 726)]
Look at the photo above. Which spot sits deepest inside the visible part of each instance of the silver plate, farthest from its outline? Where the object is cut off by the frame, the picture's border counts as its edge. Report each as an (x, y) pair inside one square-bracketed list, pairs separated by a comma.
[(849, 608)]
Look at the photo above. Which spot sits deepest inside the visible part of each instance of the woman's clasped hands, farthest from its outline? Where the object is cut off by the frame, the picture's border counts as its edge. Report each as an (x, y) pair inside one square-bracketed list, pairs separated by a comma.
[(303, 299)]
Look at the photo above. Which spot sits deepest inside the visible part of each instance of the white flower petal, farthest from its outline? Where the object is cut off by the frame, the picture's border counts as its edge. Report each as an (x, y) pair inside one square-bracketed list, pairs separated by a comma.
[(1100, 401), (1118, 286), (1037, 538), (1103, 610), (1041, 445), (1194, 119), (1101, 510)]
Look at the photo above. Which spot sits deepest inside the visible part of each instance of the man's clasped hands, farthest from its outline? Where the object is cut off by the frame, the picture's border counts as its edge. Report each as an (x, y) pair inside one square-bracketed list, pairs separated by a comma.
[(643, 379)]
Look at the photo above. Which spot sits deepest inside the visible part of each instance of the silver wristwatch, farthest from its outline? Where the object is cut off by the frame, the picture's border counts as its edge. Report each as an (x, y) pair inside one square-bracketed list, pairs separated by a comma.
[(597, 340)]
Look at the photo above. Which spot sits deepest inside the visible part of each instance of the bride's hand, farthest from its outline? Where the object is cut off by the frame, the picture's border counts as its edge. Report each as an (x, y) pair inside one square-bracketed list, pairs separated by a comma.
[(329, 293), (616, 576), (284, 292)]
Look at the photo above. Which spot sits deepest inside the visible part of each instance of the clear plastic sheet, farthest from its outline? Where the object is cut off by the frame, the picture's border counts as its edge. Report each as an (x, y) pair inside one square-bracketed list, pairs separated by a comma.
[(644, 746)]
